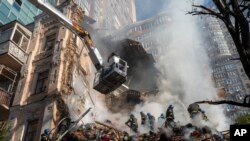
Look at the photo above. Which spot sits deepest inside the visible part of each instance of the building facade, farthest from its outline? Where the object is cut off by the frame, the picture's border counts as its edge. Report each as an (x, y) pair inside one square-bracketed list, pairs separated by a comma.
[(21, 10), (228, 72), (151, 33), (54, 81), (45, 69), (14, 54)]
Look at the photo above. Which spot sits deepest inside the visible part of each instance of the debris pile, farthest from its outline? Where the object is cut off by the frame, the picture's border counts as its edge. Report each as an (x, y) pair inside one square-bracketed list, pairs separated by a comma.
[(169, 131), (102, 132)]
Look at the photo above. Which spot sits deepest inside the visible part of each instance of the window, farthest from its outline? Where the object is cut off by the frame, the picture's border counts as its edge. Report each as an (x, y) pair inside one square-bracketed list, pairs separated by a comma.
[(17, 37), (20, 39), (17, 5), (42, 82), (19, 2), (25, 43), (50, 42), (31, 130)]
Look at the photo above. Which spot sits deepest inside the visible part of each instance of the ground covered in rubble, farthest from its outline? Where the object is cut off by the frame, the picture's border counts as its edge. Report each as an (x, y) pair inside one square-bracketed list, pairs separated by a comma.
[(106, 132)]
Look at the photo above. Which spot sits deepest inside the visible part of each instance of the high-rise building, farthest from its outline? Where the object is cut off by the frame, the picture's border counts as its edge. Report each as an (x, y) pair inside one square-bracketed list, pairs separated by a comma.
[(151, 33), (228, 72), (116, 13), (109, 15), (21, 10)]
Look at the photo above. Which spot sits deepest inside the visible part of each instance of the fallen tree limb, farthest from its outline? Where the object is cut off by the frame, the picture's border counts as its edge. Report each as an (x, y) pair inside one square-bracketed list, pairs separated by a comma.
[(225, 102)]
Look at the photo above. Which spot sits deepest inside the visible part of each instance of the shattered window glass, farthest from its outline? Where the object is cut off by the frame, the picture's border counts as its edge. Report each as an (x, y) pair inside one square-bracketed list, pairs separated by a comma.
[(17, 37)]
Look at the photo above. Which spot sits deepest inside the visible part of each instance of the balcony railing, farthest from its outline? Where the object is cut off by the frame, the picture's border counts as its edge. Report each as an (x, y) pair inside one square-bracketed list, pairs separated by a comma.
[(4, 98), (14, 50)]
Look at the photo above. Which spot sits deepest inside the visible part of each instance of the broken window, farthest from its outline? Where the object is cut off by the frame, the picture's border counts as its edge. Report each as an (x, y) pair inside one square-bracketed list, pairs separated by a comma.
[(42, 82), (50, 42), (31, 130), (17, 37)]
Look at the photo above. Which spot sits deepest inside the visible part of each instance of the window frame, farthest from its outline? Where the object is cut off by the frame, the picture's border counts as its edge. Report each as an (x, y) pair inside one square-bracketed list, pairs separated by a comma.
[(23, 36), (19, 39), (47, 47), (33, 134), (43, 82)]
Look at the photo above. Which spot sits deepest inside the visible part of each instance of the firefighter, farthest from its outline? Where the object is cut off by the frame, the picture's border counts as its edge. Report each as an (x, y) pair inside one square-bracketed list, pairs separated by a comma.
[(170, 113), (161, 120), (169, 116), (151, 119), (132, 123), (143, 118), (45, 135), (194, 109)]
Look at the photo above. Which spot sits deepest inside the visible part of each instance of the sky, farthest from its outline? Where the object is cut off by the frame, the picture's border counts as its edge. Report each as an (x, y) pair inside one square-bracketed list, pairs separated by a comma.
[(148, 8)]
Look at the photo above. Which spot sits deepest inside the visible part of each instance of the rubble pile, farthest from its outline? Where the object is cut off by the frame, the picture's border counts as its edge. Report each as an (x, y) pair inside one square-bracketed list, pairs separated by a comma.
[(169, 129), (97, 132)]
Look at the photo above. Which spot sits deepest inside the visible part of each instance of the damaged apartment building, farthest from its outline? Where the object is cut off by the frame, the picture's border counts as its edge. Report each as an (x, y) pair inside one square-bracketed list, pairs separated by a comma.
[(45, 72), (141, 76), (140, 44), (53, 79)]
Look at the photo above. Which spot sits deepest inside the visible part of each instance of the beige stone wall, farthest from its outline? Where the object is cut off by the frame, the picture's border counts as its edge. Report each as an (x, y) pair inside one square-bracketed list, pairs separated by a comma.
[(69, 79), (20, 116)]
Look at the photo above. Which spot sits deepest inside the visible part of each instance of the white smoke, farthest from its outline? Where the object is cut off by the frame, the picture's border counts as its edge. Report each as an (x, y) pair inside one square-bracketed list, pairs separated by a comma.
[(186, 76)]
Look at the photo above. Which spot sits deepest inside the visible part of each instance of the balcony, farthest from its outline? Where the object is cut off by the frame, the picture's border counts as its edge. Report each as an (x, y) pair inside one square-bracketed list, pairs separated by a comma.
[(7, 82), (14, 42), (12, 56), (5, 98)]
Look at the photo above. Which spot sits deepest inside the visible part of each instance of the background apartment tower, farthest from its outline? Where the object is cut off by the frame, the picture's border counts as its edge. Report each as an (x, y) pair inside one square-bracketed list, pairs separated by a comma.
[(109, 15), (228, 72), (21, 10), (151, 33)]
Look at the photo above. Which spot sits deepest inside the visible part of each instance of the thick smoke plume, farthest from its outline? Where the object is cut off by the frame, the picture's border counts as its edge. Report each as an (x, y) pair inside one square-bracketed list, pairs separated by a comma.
[(185, 76), (184, 65)]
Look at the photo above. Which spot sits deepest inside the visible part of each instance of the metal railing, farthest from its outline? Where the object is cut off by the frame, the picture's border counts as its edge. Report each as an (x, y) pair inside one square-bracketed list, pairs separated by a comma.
[(13, 49), (10, 75)]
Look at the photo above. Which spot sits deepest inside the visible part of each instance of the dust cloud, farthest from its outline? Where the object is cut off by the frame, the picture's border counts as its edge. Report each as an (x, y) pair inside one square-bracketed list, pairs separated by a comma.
[(185, 75)]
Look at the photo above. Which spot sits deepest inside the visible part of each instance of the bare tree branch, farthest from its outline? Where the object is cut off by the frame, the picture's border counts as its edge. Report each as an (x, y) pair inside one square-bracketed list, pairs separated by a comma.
[(208, 11), (246, 102), (236, 16), (223, 102)]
